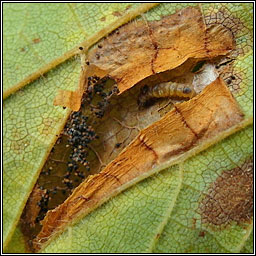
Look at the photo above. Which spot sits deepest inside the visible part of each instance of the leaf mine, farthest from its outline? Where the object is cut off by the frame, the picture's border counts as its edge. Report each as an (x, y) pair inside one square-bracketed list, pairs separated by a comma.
[(141, 49), (101, 150), (182, 129), (135, 55)]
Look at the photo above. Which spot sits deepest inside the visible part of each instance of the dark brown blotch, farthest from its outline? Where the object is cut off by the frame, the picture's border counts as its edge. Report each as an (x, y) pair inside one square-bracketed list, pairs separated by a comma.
[(230, 198), (36, 40), (117, 13)]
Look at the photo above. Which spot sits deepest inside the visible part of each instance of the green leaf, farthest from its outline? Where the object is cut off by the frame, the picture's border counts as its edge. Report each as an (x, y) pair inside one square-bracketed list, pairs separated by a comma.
[(185, 223), (31, 123), (17, 243), (162, 213), (248, 247), (122, 225)]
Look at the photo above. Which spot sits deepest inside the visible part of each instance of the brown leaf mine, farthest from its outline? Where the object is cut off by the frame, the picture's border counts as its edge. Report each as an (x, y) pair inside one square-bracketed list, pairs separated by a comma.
[(185, 127), (33, 206), (164, 55), (141, 49)]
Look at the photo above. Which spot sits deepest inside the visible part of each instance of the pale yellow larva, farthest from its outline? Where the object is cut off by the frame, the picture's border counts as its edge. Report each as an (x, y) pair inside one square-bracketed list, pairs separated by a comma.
[(165, 90)]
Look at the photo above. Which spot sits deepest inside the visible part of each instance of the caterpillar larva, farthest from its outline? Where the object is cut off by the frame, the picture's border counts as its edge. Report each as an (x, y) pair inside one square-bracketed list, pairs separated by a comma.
[(164, 90)]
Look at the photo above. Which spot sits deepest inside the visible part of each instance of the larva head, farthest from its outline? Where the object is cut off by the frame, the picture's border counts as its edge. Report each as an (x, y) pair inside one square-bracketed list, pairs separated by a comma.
[(142, 99), (184, 91), (144, 90), (188, 92)]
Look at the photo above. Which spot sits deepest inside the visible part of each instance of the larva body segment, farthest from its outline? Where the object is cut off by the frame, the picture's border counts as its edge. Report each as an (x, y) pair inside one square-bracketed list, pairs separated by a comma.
[(165, 90)]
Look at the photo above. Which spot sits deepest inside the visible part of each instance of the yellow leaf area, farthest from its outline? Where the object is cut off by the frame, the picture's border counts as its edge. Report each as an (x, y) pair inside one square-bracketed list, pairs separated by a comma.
[(201, 201)]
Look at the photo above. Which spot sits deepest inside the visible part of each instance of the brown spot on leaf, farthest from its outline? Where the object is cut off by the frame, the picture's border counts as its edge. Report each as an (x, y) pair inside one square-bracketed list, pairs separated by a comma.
[(201, 234), (36, 40), (117, 13), (157, 236), (230, 198), (19, 140)]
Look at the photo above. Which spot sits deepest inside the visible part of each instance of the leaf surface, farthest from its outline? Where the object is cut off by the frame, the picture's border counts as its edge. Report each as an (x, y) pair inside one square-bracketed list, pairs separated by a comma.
[(160, 214), (137, 213), (34, 36), (30, 126), (31, 122)]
